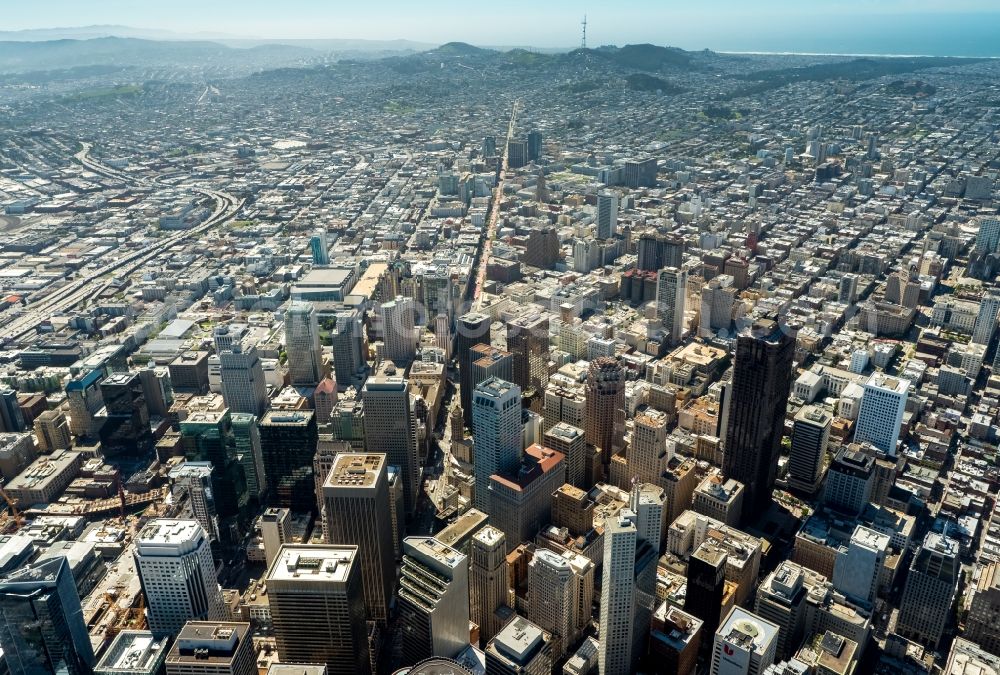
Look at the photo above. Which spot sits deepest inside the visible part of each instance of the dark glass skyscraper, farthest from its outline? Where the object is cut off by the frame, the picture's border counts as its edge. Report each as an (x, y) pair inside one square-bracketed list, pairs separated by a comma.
[(473, 328), (42, 629), (762, 376)]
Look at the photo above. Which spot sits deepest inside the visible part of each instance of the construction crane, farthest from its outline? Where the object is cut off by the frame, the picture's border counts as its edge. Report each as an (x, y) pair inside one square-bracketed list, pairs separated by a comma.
[(15, 514)]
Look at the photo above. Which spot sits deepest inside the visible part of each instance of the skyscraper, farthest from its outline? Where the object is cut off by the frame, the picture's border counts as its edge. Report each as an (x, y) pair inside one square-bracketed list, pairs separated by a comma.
[(275, 530), (472, 329), (243, 387), (42, 629), (305, 356), (528, 343), (350, 365), (497, 429), (706, 579), (671, 293), (84, 395), (318, 607), (487, 580), (552, 598), (212, 648), (657, 251), (398, 332), (617, 595), (570, 441), (195, 478), (810, 436), (390, 428), (521, 648), (357, 512), (605, 406), (929, 591), (762, 377), (986, 319), (433, 600), (488, 361), (881, 414), (745, 644), (246, 436), (607, 215), (52, 431), (288, 444), (988, 237), (11, 419), (175, 566), (319, 248), (858, 567), (125, 419)]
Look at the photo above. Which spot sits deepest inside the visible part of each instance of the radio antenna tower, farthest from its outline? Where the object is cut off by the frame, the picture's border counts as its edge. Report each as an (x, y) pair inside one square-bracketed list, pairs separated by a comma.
[(583, 42)]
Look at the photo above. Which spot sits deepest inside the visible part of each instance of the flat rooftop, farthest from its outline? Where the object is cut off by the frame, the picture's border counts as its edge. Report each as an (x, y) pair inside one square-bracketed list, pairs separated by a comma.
[(356, 470), (313, 563)]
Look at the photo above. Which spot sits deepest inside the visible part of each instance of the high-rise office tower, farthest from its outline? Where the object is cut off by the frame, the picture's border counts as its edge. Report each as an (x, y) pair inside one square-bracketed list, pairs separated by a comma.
[(618, 594), (986, 319), (52, 431), (489, 147), (552, 598), (848, 290), (324, 401), (520, 503), (212, 648), (350, 364), (528, 343), (640, 172), (657, 251), (718, 296), (487, 580), (390, 427), (275, 530), (782, 600), (42, 629), (496, 426), (981, 624), (762, 378), (358, 512), (671, 292), (243, 387), (648, 453), (208, 437), (674, 640), (398, 333), (288, 444), (488, 361), (11, 418), (471, 329), (988, 237), (175, 566), (305, 355), (858, 566), (929, 591), (849, 481), (433, 600), (706, 579), (810, 437), (607, 215), (195, 478), (246, 436), (570, 441), (605, 406), (881, 414), (534, 145), (134, 652), (745, 644), (318, 607), (319, 247), (521, 648), (125, 418), (84, 395), (157, 389)]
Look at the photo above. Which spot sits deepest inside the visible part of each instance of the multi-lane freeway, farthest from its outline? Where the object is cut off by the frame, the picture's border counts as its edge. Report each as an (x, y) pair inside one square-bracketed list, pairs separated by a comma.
[(95, 281)]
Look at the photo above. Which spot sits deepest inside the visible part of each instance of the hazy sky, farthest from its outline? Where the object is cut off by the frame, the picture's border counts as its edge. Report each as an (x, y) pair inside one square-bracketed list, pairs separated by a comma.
[(773, 25)]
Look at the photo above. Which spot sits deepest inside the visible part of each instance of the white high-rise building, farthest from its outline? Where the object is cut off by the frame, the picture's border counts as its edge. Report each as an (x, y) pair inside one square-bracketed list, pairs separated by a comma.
[(433, 600), (617, 595), (607, 215), (745, 644), (671, 293), (305, 355), (551, 598), (881, 413), (398, 333), (858, 565), (497, 429), (244, 389), (275, 530), (988, 238), (986, 319), (174, 561)]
